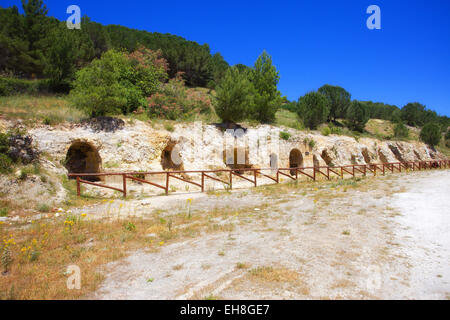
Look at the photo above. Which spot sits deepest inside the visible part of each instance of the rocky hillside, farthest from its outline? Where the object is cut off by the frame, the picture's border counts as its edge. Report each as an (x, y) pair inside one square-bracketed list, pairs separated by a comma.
[(111, 145)]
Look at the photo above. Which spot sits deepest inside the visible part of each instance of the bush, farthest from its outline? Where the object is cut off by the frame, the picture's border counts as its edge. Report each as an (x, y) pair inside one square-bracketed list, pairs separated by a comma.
[(313, 109), (175, 101), (400, 130), (357, 116), (117, 83), (431, 133), (326, 131), (5, 160), (44, 208), (284, 135), (3, 212), (13, 86)]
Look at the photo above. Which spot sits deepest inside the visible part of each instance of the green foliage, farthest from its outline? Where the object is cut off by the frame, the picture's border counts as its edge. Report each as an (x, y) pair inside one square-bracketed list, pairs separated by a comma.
[(118, 83), (284, 135), (309, 142), (380, 110), (267, 98), (313, 108), (3, 212), (339, 100), (447, 135), (67, 51), (176, 101), (357, 116), (5, 161), (14, 86), (326, 131), (130, 226), (291, 106), (415, 114), (400, 130), (44, 207), (234, 96), (33, 44), (431, 133)]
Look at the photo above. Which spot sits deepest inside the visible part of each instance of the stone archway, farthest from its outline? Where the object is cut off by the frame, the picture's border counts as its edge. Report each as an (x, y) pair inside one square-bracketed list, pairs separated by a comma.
[(83, 157), (295, 160), (171, 158)]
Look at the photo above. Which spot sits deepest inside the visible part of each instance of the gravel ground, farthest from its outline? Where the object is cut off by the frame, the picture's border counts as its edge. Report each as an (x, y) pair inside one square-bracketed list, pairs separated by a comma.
[(380, 238)]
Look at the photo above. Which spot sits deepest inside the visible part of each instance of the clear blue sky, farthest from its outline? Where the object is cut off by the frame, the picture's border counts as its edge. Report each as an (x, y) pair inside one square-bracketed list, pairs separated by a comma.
[(311, 42)]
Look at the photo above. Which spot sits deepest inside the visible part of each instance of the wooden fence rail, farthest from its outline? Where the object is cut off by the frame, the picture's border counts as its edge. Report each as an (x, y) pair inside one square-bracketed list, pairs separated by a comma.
[(292, 173)]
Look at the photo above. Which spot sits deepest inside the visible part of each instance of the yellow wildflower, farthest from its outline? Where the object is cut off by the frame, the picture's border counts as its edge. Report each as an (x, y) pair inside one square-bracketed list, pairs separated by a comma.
[(161, 243), (83, 215)]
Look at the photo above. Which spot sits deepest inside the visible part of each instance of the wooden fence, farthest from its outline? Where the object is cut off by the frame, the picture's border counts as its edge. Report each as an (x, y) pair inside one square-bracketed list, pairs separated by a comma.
[(292, 173)]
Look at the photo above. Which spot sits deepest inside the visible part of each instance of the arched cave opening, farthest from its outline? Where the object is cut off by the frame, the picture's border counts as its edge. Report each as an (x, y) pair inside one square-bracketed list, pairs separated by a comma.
[(83, 157)]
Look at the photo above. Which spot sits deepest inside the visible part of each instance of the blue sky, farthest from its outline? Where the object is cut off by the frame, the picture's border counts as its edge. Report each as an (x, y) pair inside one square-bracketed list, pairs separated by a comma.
[(311, 42)]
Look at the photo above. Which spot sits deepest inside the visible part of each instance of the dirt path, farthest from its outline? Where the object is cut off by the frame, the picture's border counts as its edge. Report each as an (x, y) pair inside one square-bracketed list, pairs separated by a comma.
[(335, 240)]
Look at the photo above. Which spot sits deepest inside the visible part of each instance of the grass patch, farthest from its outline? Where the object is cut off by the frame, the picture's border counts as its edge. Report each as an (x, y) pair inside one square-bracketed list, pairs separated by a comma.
[(288, 119), (271, 274), (49, 109)]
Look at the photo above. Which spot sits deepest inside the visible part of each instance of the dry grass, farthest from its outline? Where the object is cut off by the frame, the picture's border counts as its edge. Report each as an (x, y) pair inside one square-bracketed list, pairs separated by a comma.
[(43, 250), (270, 274), (48, 109), (380, 128)]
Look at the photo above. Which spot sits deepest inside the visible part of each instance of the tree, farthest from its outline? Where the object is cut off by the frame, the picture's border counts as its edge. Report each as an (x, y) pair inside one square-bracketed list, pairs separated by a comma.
[(313, 108), (234, 96), (339, 100), (357, 116), (36, 28), (413, 114), (265, 79), (431, 133), (68, 50)]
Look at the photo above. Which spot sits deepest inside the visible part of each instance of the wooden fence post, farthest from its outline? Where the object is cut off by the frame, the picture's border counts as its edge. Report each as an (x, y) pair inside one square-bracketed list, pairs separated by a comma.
[(124, 182), (78, 186), (167, 183), (203, 181), (231, 179)]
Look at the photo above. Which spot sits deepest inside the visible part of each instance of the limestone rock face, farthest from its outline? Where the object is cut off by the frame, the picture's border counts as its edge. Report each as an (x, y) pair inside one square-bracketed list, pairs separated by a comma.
[(196, 146)]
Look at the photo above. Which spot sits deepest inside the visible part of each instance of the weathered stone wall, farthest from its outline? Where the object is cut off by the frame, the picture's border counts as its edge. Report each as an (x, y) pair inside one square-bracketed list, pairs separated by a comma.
[(138, 146)]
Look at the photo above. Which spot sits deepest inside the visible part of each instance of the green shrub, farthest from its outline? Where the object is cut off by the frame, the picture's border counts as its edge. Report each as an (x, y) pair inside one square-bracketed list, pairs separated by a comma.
[(284, 135), (44, 207), (176, 101), (3, 212), (400, 130), (310, 142), (5, 163), (13, 86), (117, 83), (326, 131), (313, 109), (357, 116), (431, 133)]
